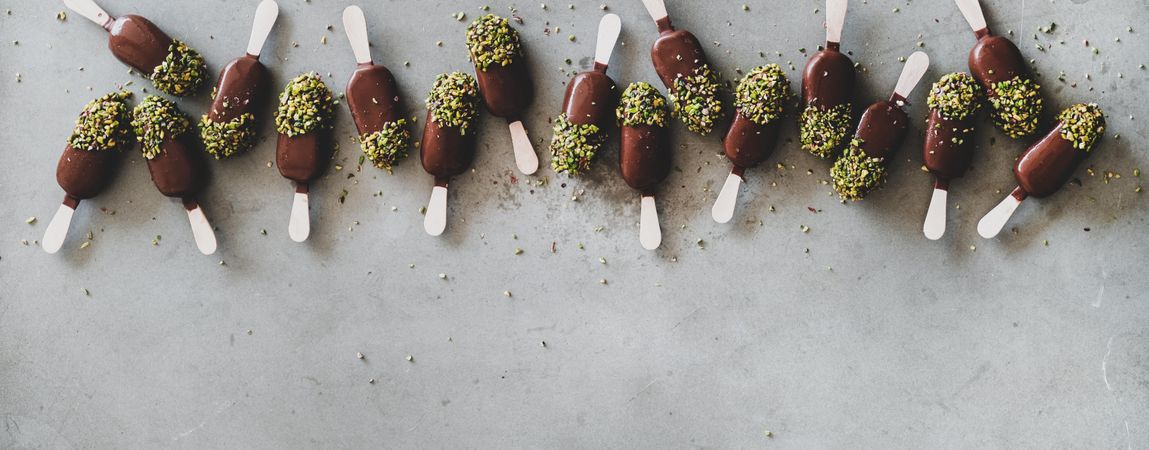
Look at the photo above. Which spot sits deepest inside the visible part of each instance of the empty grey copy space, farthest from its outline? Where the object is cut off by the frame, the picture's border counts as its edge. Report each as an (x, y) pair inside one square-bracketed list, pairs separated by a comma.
[(803, 323)]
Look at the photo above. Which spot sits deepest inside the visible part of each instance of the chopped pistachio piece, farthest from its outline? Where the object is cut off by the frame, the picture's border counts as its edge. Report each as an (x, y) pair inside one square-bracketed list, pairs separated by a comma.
[(155, 121), (105, 124), (388, 146), (223, 140), (574, 146), (824, 131), (956, 96), (1082, 124), (182, 72), (454, 100), (695, 99), (1016, 106), (642, 104), (304, 106), (762, 94), (855, 174), (491, 40)]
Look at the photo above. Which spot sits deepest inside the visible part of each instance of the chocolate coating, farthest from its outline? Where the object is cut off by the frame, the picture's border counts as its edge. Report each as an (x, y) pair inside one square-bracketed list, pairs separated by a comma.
[(590, 99), (373, 98), (506, 90), (994, 59), (241, 87), (882, 129), (1047, 164), (944, 157), (748, 144), (828, 79), (676, 53), (84, 174), (447, 153), (645, 156), (179, 170), (138, 42), (303, 158)]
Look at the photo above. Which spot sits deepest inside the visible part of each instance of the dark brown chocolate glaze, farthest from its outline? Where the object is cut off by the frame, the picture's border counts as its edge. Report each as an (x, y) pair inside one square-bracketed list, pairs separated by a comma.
[(242, 86), (943, 157), (591, 98), (446, 152), (994, 59), (1047, 164), (676, 53), (303, 158), (84, 174), (506, 90), (748, 143), (373, 98), (138, 42), (179, 170), (828, 79), (644, 157), (882, 128)]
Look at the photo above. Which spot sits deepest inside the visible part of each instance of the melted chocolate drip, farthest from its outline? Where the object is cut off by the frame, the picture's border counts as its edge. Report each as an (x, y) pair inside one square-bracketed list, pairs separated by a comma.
[(138, 42), (644, 157), (446, 152), (241, 87), (1047, 164), (373, 98), (507, 90), (748, 143), (84, 174)]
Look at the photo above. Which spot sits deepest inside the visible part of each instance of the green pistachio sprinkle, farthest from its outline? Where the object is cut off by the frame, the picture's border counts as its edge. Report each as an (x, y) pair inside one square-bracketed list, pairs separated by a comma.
[(855, 174), (1082, 124), (223, 140), (491, 40), (304, 106), (454, 101), (388, 146), (824, 131), (156, 120), (642, 104), (955, 96), (574, 146), (182, 71), (695, 99), (105, 124), (761, 95), (1016, 106)]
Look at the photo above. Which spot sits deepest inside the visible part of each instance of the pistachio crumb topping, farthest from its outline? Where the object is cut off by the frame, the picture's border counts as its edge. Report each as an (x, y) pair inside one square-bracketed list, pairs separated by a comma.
[(491, 40), (182, 71), (105, 124), (762, 94), (642, 104), (695, 99), (574, 146), (223, 140), (156, 120), (1082, 124), (453, 101), (388, 146), (855, 174), (304, 106), (1016, 106), (823, 131), (956, 96)]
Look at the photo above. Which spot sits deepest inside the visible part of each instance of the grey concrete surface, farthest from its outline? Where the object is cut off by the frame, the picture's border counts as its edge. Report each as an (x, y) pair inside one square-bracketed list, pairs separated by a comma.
[(857, 333)]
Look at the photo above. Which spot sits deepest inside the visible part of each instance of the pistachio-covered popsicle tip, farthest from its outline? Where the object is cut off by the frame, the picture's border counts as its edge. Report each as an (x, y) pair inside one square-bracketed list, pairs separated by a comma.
[(492, 41), (305, 105), (641, 104), (105, 124), (955, 96), (388, 146), (182, 72), (696, 101), (855, 174), (824, 131), (454, 101), (1082, 124), (156, 120), (574, 146), (226, 139), (762, 94), (1016, 106)]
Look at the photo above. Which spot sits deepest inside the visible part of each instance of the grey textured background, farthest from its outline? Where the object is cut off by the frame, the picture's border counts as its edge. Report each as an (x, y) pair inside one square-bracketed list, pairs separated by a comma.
[(874, 338)]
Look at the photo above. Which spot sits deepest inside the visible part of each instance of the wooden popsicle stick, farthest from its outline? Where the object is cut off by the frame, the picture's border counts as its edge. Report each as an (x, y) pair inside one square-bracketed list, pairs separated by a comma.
[(299, 228), (525, 157), (835, 20), (935, 225), (356, 26), (723, 209), (57, 230), (971, 9), (265, 16), (201, 229), (435, 221), (995, 220), (912, 72), (649, 232), (89, 9), (608, 30), (656, 8)]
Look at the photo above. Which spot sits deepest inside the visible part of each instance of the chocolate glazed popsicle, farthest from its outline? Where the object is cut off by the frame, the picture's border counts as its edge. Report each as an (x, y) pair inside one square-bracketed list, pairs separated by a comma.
[(954, 101), (759, 103), (1049, 163), (374, 99), (1013, 94), (588, 108), (229, 127), (178, 170), (173, 67), (90, 160), (303, 120), (881, 130), (503, 80), (448, 140), (645, 153), (827, 90), (684, 70)]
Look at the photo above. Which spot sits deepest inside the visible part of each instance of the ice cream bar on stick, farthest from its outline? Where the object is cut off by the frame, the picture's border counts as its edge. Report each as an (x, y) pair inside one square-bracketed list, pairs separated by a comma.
[(504, 82), (90, 160), (645, 152), (374, 100), (684, 70), (588, 108), (827, 91), (1049, 163), (173, 67), (996, 63), (954, 101), (303, 152), (448, 140)]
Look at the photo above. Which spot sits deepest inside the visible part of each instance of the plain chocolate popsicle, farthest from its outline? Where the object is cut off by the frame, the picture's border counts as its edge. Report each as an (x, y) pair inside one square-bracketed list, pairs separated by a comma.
[(90, 160), (303, 152), (448, 139), (684, 70), (588, 108), (373, 97), (827, 91), (954, 101), (178, 169), (504, 82), (996, 63), (645, 153), (229, 127)]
